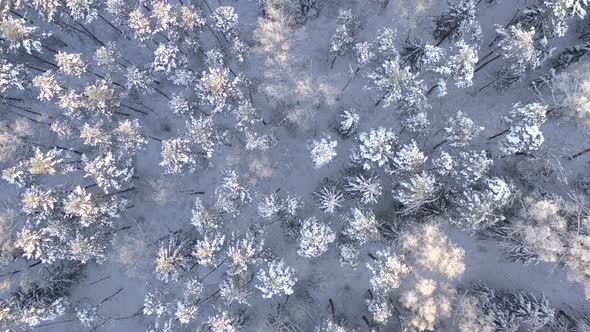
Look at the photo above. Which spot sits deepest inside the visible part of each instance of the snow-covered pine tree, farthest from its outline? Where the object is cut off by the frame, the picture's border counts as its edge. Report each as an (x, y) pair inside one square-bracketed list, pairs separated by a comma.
[(375, 148), (524, 134), (479, 209), (323, 151), (329, 199), (207, 249), (461, 130), (416, 191), (348, 25), (361, 226), (387, 271), (278, 280), (519, 51), (226, 21), (17, 35), (367, 189), (459, 21), (173, 258), (315, 238)]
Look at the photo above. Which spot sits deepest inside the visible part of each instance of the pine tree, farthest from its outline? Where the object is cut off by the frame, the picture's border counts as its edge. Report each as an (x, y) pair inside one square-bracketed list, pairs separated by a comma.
[(387, 271), (461, 130), (348, 25), (11, 76), (279, 280), (173, 258), (375, 148), (409, 157), (478, 209), (109, 171), (418, 190), (226, 21), (398, 85), (315, 238), (519, 50), (329, 199), (349, 123), (323, 151), (525, 133), (367, 189), (18, 35), (459, 21), (206, 249), (361, 226)]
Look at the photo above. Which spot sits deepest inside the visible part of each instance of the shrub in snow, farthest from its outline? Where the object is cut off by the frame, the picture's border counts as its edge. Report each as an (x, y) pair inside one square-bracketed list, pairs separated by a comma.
[(278, 280), (323, 151), (524, 134), (315, 238)]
